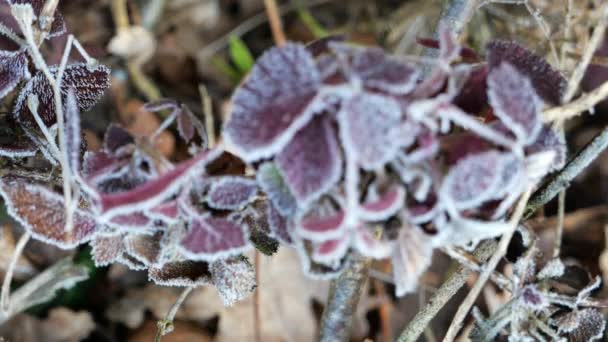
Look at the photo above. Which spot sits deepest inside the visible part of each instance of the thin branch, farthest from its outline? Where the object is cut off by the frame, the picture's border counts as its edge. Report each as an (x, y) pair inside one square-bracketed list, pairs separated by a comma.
[(276, 25), (448, 289), (559, 231), (5, 304), (208, 114), (165, 326), (562, 180), (577, 106), (344, 296), (468, 302)]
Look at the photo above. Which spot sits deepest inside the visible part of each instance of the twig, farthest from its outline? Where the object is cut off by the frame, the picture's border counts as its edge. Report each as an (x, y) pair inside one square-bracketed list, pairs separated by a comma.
[(5, 305), (343, 299), (208, 114), (256, 301), (448, 289), (276, 25), (562, 180), (596, 40), (468, 302), (577, 106), (152, 12), (165, 326), (559, 230)]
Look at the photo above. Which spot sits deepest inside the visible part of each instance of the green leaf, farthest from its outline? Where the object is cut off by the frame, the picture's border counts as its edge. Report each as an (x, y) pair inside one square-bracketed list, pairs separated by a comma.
[(311, 23), (227, 69), (240, 54)]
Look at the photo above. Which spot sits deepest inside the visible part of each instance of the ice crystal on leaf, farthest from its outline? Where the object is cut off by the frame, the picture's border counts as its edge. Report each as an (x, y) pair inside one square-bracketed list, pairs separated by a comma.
[(210, 238), (181, 273), (13, 69), (229, 193), (234, 279)]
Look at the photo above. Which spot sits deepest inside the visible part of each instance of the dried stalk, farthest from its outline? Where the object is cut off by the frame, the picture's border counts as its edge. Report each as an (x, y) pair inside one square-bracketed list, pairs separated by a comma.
[(448, 289), (344, 296), (5, 305), (165, 326), (562, 180), (276, 25), (468, 302)]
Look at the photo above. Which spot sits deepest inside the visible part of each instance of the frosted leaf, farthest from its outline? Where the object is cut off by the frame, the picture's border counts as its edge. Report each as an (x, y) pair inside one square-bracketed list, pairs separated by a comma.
[(132, 263), (234, 279), (210, 238), (330, 252), (532, 298), (88, 82), (311, 163), (274, 102), (145, 248), (582, 325), (131, 222), (271, 181), (313, 268), (385, 206), (372, 245), (279, 225), (515, 102), (42, 213), (13, 69), (320, 46), (231, 193), (548, 82), (181, 273), (185, 126), (168, 211), (107, 250), (73, 134), (549, 139), (474, 179), (322, 228), (14, 146), (375, 69), (186, 121), (370, 129), (553, 269), (116, 137), (156, 191), (410, 258), (468, 232), (56, 29)]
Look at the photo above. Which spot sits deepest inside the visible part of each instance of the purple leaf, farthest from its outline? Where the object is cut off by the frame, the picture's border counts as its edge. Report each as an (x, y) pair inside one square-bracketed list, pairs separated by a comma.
[(548, 82), (89, 83), (279, 225), (73, 134), (132, 263), (515, 102), (115, 138), (315, 269), (145, 248), (330, 252), (42, 213), (474, 180), (154, 192), (107, 249), (274, 102), (370, 245), (185, 126), (385, 206), (13, 146), (411, 257), (168, 211), (234, 279), (13, 69), (369, 129), (136, 221), (322, 228), (181, 273), (375, 69), (273, 184), (549, 139), (231, 193), (311, 163), (210, 238)]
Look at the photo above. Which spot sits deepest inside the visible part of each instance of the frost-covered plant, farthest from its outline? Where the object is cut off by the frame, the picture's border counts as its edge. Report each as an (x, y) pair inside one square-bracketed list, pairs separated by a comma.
[(356, 152), (543, 306)]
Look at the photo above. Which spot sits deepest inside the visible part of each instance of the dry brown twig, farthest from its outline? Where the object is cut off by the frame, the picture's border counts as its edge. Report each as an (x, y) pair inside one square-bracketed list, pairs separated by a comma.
[(276, 24)]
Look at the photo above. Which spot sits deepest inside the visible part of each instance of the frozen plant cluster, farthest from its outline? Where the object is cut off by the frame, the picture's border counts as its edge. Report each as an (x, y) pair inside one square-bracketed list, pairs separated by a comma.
[(357, 152), (354, 151)]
